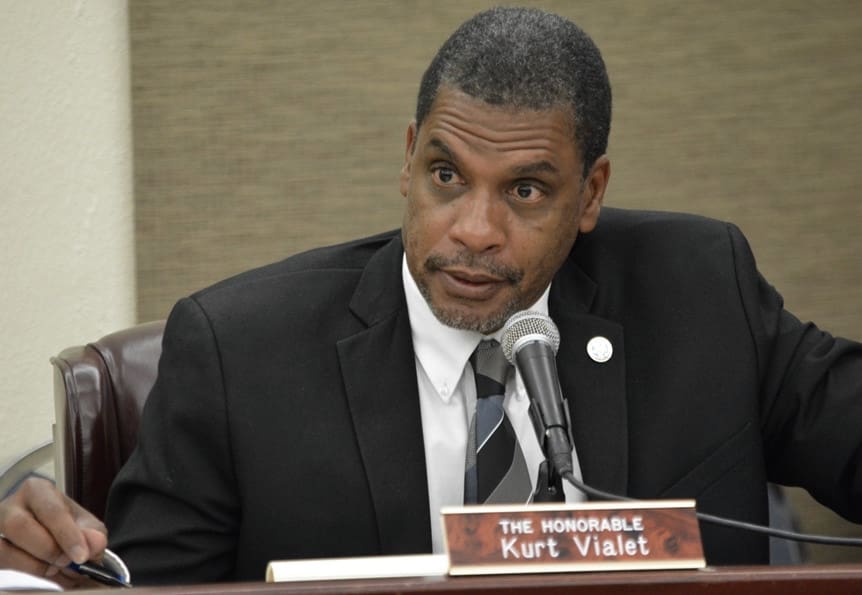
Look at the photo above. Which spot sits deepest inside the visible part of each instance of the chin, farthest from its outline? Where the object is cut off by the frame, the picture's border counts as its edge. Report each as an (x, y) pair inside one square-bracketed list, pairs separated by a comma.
[(467, 320)]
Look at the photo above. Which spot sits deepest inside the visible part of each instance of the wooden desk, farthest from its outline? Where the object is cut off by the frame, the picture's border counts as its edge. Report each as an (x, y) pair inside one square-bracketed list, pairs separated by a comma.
[(741, 580)]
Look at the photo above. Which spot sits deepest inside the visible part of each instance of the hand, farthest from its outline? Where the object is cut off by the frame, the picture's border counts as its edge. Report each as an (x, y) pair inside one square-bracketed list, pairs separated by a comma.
[(43, 531)]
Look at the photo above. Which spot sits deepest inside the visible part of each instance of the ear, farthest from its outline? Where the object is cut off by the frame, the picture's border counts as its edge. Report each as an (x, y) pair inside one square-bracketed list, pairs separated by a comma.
[(408, 157), (594, 193)]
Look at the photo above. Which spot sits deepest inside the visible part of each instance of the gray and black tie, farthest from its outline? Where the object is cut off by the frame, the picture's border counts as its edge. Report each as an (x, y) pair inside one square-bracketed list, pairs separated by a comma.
[(495, 470)]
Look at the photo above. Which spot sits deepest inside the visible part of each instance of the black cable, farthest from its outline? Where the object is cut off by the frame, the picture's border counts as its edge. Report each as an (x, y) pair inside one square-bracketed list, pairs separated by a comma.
[(717, 520)]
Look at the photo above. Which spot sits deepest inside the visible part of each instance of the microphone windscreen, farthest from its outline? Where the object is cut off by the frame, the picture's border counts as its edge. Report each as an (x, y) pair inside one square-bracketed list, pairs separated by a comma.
[(525, 326)]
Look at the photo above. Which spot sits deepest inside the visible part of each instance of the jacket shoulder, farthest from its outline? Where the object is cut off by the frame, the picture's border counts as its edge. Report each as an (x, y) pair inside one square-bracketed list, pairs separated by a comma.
[(623, 234), (639, 221)]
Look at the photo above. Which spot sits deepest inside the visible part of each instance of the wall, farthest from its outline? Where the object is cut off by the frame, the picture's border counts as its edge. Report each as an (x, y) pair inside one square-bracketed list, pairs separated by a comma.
[(66, 262)]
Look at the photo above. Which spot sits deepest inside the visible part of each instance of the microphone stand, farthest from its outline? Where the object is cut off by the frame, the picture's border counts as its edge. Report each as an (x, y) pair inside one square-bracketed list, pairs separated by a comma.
[(549, 484)]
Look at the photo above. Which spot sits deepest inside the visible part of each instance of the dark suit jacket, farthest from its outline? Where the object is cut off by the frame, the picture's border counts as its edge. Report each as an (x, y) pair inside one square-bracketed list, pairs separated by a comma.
[(285, 420)]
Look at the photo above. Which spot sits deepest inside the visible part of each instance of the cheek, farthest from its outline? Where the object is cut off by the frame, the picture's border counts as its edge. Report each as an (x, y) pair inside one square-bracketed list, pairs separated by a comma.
[(409, 232), (428, 223), (419, 232)]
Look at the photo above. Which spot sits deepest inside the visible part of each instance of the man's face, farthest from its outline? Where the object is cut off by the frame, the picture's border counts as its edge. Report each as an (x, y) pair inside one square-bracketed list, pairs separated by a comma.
[(495, 199)]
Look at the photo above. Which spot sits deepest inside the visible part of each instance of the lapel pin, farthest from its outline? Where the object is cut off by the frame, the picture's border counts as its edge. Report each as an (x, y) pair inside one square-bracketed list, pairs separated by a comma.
[(600, 349)]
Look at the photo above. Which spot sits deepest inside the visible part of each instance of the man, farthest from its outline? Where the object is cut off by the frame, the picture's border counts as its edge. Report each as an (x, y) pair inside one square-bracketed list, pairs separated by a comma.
[(321, 406)]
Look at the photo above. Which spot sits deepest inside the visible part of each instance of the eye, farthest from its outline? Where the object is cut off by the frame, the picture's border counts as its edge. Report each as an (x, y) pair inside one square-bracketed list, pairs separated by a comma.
[(445, 176), (527, 192)]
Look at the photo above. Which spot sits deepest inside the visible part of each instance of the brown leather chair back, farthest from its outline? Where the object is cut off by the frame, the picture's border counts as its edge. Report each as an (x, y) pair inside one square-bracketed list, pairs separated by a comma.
[(99, 393)]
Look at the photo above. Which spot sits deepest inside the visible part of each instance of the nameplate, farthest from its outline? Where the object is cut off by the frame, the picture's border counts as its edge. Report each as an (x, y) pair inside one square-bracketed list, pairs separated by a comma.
[(593, 536)]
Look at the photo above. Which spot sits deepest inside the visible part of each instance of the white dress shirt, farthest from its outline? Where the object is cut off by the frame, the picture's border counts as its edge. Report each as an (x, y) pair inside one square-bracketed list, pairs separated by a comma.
[(447, 397)]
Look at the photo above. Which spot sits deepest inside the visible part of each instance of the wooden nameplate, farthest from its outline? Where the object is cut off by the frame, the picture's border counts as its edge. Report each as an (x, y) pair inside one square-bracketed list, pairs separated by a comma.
[(593, 536)]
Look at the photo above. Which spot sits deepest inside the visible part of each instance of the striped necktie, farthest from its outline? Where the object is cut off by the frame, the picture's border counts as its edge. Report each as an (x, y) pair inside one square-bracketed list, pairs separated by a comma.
[(495, 470)]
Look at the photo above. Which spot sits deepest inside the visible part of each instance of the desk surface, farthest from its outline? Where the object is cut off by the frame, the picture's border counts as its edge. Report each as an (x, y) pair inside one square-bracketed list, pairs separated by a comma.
[(747, 580)]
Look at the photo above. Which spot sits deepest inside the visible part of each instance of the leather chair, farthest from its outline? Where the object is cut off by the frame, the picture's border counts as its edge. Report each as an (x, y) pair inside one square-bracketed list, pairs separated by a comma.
[(99, 393)]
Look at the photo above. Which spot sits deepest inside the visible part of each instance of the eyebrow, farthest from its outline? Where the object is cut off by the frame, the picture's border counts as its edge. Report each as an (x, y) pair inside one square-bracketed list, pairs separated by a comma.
[(441, 146), (527, 169), (535, 168)]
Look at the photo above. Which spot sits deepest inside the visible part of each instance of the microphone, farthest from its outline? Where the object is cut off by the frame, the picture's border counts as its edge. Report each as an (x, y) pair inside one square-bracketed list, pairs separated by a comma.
[(530, 341)]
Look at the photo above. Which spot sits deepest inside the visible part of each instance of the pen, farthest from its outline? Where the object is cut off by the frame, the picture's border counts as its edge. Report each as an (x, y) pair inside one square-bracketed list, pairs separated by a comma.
[(99, 574)]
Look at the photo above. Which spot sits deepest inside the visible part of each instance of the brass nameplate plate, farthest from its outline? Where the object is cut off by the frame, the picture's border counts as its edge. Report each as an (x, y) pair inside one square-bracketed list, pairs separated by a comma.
[(593, 536)]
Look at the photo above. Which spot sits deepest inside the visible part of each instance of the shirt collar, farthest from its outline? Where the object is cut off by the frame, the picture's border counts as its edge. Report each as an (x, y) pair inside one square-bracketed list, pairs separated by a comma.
[(441, 350)]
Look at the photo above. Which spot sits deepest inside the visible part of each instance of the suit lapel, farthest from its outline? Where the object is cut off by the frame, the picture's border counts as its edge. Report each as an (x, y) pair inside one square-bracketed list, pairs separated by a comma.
[(595, 391), (379, 373)]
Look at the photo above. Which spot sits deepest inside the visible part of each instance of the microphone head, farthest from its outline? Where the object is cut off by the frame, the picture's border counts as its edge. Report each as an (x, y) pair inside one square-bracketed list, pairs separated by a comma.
[(526, 326)]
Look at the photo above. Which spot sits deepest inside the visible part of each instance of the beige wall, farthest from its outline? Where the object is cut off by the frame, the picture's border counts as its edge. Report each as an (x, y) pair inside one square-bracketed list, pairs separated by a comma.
[(66, 262)]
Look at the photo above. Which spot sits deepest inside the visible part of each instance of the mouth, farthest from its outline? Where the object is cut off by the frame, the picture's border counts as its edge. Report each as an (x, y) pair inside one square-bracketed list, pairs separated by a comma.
[(470, 285)]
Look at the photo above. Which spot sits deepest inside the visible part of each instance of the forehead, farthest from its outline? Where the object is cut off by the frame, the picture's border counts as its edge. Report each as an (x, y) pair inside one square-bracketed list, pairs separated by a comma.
[(460, 123)]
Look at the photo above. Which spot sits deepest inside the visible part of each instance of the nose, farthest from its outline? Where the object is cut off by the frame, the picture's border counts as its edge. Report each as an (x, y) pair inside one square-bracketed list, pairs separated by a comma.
[(479, 222)]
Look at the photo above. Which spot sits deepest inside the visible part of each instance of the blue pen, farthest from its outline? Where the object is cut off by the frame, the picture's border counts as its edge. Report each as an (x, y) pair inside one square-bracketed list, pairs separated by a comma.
[(111, 572), (100, 574)]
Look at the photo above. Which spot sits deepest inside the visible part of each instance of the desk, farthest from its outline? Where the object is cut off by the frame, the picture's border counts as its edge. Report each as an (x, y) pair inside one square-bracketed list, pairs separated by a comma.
[(738, 580)]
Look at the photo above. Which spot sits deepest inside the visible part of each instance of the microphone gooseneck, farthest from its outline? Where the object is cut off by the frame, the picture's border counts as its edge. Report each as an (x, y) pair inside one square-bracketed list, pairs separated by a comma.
[(530, 341)]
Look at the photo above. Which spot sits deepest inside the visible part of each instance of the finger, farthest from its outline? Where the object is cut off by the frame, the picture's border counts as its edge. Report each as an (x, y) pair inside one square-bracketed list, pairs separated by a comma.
[(94, 530), (28, 535), (14, 557), (97, 541), (51, 527), (54, 512), (84, 518)]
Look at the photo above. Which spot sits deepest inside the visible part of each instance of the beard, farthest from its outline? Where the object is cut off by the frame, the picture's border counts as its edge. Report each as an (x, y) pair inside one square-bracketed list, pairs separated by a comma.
[(462, 318)]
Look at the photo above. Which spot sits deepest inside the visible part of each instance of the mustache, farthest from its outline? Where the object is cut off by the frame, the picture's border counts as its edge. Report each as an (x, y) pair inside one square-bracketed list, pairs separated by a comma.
[(474, 262)]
